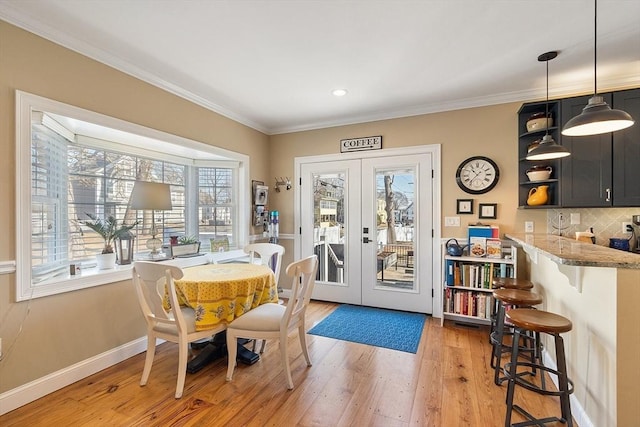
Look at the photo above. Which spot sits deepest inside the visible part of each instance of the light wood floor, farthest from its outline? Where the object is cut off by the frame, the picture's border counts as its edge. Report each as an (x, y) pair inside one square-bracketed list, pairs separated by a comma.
[(447, 383)]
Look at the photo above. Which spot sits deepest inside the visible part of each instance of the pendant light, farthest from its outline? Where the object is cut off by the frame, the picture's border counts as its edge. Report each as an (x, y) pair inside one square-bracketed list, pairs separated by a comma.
[(597, 117), (548, 148)]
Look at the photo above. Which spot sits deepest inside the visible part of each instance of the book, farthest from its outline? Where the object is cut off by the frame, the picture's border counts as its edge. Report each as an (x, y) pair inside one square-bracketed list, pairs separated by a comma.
[(494, 248), (449, 272), (477, 246)]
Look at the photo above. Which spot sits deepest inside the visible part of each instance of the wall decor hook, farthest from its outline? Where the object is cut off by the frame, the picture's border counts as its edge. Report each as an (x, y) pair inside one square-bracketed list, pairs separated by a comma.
[(286, 182)]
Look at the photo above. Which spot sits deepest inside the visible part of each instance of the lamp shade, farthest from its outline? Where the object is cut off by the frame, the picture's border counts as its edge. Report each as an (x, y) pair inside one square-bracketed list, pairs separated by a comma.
[(548, 149), (596, 118), (151, 196)]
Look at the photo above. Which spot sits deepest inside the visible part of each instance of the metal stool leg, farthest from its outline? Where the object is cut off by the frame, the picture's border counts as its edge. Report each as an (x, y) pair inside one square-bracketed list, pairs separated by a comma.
[(563, 382), (512, 377)]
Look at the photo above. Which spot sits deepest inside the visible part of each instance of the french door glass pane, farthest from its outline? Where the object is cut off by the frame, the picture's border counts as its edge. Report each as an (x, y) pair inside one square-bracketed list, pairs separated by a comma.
[(329, 233), (395, 210)]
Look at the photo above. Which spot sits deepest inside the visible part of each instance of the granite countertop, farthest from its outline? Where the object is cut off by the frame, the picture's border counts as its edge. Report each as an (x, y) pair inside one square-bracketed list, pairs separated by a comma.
[(572, 252)]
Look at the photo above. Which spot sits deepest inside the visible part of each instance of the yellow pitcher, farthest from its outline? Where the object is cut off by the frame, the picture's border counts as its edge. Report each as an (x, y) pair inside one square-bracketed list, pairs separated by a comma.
[(538, 196)]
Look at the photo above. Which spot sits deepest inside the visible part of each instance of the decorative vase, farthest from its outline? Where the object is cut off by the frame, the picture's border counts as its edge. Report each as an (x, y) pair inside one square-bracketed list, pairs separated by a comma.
[(538, 196), (106, 261)]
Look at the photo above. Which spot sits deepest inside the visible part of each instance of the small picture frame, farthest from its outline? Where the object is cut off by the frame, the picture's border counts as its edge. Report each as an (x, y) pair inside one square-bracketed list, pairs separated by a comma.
[(260, 194), (464, 206), (488, 211)]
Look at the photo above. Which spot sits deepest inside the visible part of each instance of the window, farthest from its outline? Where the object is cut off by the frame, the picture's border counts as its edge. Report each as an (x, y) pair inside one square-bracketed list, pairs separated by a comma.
[(69, 167)]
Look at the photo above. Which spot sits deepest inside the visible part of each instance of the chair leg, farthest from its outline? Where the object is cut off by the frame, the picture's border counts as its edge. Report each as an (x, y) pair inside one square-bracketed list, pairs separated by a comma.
[(232, 351), (285, 359), (264, 344), (303, 343), (148, 361), (183, 352)]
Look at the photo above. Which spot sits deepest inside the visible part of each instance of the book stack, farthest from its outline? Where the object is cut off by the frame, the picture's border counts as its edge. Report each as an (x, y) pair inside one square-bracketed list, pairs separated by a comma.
[(478, 237)]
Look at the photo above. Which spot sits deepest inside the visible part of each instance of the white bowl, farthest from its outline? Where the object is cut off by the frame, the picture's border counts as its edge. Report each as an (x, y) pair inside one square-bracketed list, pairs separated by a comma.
[(539, 175), (537, 124)]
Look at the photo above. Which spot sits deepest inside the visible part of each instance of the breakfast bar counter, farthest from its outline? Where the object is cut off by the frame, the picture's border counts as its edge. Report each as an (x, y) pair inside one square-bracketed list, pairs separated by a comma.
[(564, 250), (598, 289)]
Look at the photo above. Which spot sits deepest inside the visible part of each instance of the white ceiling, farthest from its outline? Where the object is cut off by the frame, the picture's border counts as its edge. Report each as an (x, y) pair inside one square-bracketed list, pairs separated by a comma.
[(273, 64)]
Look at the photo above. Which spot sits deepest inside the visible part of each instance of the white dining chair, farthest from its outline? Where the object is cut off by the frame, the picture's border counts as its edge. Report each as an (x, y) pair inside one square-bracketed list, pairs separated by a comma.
[(269, 254), (265, 253), (177, 325), (274, 321)]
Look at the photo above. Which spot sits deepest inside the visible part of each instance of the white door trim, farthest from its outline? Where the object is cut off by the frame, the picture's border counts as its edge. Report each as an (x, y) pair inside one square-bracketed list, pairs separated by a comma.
[(435, 151)]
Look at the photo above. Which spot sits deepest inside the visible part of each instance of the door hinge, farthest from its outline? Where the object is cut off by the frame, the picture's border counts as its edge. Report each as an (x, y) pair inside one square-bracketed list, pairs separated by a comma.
[(300, 230), (432, 173), (432, 233), (300, 183), (432, 294)]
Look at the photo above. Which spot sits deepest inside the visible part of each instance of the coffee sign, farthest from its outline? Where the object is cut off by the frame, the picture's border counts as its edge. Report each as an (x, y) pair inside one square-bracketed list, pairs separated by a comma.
[(361, 144)]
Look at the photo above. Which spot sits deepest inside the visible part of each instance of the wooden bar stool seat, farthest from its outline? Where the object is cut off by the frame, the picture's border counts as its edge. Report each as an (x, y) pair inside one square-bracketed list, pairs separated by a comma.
[(511, 283), (540, 322), (509, 299), (506, 283)]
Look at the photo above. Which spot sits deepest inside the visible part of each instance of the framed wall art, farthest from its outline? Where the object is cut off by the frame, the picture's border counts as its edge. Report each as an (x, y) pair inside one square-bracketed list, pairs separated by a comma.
[(488, 211), (464, 206)]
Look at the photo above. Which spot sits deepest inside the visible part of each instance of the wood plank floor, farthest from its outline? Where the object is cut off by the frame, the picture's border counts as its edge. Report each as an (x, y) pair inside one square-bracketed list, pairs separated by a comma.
[(447, 383)]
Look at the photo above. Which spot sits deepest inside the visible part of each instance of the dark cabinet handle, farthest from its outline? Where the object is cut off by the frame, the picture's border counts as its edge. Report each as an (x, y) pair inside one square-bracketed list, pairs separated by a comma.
[(608, 190)]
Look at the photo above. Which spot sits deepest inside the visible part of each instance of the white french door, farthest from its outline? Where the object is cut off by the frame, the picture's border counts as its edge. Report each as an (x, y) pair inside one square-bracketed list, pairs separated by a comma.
[(370, 222)]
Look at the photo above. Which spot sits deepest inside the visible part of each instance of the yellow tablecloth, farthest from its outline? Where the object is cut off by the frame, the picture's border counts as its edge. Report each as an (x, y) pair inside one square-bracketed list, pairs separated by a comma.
[(222, 292)]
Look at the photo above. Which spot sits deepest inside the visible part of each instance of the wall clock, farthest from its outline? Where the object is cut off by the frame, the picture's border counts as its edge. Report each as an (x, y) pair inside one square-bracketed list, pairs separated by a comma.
[(477, 175)]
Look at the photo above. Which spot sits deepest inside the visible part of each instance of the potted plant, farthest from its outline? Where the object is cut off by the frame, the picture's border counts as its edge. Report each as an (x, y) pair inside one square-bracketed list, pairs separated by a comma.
[(109, 230), (187, 245)]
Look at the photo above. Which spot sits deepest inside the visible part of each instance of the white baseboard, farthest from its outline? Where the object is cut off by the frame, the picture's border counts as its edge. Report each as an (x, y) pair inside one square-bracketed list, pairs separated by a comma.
[(36, 389), (576, 408)]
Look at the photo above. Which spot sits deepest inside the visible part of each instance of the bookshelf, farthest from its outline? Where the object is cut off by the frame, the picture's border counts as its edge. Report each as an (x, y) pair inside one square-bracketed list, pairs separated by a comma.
[(467, 284)]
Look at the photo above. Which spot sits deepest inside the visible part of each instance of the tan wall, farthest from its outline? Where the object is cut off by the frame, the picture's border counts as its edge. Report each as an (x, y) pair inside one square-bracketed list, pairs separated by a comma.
[(488, 131), (61, 330)]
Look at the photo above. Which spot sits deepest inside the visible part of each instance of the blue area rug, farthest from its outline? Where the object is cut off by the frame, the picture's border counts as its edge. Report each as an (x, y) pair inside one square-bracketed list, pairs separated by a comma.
[(397, 330)]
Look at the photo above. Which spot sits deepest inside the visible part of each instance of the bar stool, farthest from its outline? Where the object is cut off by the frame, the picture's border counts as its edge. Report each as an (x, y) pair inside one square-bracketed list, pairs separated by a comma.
[(512, 283), (512, 298), (538, 321), (506, 283)]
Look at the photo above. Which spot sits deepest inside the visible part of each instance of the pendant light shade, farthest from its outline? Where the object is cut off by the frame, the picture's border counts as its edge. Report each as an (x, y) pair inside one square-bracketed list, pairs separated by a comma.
[(597, 117), (548, 148)]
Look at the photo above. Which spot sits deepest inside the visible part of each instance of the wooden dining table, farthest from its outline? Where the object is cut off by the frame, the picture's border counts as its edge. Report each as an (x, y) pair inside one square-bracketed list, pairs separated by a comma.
[(221, 292)]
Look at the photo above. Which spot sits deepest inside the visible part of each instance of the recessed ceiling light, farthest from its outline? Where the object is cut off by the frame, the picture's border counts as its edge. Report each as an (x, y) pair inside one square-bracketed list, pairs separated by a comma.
[(339, 92)]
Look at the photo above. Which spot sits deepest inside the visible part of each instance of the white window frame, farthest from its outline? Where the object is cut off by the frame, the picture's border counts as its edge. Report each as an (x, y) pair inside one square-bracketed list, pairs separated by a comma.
[(171, 145)]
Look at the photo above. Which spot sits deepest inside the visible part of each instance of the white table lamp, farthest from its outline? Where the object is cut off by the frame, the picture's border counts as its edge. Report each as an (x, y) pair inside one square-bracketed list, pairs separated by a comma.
[(154, 196)]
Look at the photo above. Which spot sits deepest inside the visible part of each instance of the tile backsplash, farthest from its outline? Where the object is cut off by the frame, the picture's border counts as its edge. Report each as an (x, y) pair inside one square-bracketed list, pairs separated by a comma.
[(606, 222)]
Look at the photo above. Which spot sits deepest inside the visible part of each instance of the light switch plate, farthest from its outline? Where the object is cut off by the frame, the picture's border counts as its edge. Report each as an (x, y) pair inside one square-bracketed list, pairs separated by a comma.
[(452, 221), (575, 218), (528, 226)]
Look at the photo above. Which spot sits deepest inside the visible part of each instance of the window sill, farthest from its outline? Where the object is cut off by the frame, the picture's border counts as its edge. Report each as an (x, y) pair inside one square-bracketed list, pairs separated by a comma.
[(90, 277)]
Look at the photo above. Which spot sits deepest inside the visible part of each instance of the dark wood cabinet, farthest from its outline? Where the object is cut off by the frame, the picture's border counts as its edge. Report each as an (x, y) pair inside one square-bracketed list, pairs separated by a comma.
[(525, 139), (586, 174), (626, 152), (602, 170)]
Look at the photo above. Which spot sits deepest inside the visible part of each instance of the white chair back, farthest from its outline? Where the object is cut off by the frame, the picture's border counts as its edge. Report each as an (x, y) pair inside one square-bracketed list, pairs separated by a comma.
[(266, 252), (152, 280), (303, 273)]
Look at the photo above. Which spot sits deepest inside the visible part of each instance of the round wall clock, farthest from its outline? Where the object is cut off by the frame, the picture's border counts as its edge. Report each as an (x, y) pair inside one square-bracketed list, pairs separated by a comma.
[(477, 175)]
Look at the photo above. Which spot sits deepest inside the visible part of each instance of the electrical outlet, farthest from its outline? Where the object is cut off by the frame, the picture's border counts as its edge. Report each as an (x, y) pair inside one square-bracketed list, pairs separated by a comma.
[(452, 221), (575, 218), (626, 224), (528, 226)]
